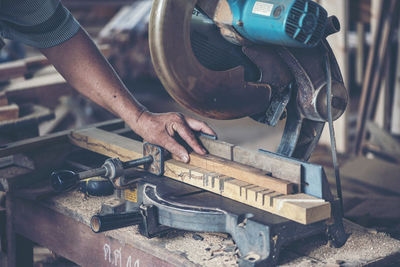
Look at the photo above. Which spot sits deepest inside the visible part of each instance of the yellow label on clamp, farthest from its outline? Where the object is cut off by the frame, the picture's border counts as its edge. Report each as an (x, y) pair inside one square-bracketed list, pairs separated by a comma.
[(131, 195)]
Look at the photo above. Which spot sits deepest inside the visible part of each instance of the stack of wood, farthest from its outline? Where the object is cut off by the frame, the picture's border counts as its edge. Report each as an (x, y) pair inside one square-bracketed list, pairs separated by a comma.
[(379, 109), (30, 92), (127, 35), (7, 111)]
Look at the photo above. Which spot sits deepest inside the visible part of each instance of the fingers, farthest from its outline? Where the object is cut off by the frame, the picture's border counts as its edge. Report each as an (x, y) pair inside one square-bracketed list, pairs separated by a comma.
[(176, 149), (187, 135), (199, 126), (160, 129)]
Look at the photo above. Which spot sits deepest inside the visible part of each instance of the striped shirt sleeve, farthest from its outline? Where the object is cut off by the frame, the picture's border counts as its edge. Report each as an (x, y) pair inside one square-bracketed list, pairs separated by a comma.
[(38, 23)]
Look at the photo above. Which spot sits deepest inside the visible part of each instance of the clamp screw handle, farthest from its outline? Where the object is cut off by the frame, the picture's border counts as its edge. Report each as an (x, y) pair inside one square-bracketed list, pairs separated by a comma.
[(63, 180)]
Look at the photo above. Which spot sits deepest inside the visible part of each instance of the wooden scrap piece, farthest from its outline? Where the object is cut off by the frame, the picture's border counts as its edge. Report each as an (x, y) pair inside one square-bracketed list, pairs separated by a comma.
[(301, 208), (278, 168), (12, 69), (3, 99), (241, 172), (37, 89), (9, 112), (218, 148), (111, 144), (29, 65)]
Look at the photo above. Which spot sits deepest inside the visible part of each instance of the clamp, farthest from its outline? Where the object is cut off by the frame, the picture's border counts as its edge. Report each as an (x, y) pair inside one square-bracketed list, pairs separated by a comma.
[(113, 169)]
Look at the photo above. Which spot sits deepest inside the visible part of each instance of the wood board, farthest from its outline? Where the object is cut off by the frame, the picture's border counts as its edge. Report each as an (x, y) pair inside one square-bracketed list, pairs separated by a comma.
[(3, 99), (36, 90), (9, 112), (274, 166), (117, 146), (301, 208)]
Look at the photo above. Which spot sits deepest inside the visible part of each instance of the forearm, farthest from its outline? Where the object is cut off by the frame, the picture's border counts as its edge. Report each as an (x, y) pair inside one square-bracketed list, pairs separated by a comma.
[(83, 66)]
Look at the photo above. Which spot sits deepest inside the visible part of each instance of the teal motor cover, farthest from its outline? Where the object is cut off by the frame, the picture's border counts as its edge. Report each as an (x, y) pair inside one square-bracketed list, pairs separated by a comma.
[(295, 23)]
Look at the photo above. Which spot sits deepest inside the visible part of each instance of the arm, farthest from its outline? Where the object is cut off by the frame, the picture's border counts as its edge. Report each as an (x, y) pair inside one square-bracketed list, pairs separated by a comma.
[(83, 66)]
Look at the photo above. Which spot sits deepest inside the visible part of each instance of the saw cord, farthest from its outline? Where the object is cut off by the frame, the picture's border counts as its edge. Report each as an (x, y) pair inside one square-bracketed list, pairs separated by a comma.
[(332, 131)]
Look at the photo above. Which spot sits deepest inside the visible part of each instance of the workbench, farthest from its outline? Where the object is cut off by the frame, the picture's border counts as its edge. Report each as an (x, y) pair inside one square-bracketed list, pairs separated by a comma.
[(61, 223)]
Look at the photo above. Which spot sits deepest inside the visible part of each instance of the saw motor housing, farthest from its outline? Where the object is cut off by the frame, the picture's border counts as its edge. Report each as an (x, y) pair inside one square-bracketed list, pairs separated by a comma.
[(294, 23)]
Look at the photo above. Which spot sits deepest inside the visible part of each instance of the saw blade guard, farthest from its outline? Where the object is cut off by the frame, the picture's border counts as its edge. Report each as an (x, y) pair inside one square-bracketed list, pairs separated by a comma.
[(283, 73), (214, 94)]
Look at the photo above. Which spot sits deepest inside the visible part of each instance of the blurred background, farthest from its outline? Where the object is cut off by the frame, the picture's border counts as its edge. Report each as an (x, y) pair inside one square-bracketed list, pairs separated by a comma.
[(36, 100)]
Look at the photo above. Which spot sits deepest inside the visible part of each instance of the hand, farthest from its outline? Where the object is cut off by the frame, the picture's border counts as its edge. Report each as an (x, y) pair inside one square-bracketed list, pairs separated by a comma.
[(161, 128)]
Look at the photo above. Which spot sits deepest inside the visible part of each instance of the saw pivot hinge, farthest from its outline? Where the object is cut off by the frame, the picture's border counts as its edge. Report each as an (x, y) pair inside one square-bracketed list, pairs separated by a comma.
[(113, 169)]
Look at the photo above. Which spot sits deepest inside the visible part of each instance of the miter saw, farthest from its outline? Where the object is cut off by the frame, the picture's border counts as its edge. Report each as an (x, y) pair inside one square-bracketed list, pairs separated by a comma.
[(237, 58), (227, 59)]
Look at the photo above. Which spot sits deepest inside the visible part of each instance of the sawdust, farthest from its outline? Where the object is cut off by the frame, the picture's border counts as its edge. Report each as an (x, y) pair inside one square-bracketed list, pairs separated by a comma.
[(213, 250), (77, 205), (362, 247)]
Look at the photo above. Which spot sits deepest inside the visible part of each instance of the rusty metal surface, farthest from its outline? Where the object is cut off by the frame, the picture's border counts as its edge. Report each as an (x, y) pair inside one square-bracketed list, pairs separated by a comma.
[(218, 95)]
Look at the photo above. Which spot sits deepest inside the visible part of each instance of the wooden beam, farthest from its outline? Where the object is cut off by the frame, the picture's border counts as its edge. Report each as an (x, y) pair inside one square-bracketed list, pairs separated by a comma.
[(3, 99), (113, 145), (301, 208), (30, 144), (21, 67), (12, 69), (278, 168), (9, 112), (36, 90), (241, 172)]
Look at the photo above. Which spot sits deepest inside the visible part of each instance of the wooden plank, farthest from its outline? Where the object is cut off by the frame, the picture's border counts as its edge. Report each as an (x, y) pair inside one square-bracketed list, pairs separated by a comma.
[(108, 144), (218, 148), (301, 208), (36, 90), (21, 67), (9, 112), (211, 176), (3, 99), (126, 149), (277, 168), (37, 142), (241, 172), (378, 55), (12, 69)]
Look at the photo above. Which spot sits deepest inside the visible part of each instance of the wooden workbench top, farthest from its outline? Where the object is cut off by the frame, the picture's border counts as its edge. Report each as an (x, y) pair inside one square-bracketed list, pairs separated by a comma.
[(182, 248)]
